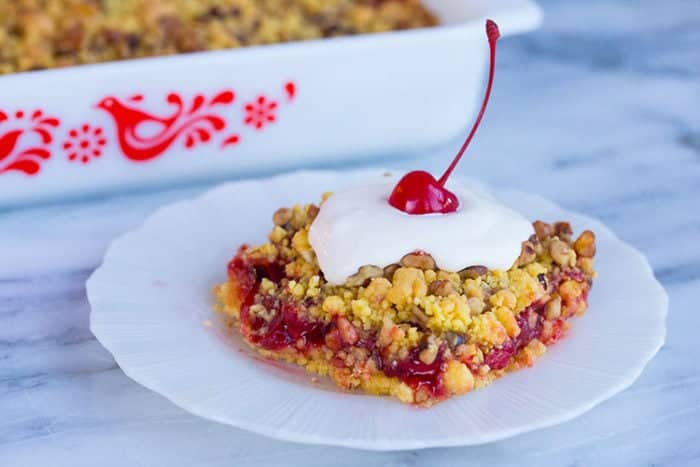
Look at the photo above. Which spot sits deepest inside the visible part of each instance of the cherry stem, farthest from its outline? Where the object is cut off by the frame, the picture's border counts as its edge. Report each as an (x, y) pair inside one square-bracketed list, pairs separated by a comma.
[(493, 34)]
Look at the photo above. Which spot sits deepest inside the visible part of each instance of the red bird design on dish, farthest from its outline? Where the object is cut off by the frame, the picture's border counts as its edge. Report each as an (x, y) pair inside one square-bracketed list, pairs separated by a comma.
[(144, 136)]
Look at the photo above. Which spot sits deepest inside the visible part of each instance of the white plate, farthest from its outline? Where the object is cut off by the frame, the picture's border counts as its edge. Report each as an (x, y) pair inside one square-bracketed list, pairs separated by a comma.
[(152, 295)]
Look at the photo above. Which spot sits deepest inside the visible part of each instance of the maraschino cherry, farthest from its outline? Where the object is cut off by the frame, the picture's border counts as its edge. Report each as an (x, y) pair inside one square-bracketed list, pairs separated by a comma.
[(418, 192)]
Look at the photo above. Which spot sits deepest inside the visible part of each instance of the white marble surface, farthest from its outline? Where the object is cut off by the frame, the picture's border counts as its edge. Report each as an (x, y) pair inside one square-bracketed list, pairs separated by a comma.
[(600, 109)]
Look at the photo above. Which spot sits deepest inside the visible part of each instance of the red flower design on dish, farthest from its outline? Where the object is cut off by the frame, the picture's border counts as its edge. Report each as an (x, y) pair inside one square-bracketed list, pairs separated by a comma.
[(84, 143), (260, 112), (24, 146)]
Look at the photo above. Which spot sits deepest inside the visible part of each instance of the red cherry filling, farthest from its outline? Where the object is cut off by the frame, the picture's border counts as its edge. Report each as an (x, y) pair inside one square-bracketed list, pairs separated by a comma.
[(286, 327), (246, 277), (530, 323), (418, 192), (417, 374)]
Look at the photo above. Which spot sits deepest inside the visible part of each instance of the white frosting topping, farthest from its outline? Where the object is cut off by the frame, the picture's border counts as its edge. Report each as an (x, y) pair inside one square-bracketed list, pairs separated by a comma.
[(357, 227)]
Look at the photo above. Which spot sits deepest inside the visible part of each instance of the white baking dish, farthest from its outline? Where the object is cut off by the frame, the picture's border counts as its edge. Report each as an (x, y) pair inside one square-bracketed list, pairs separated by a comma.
[(159, 120)]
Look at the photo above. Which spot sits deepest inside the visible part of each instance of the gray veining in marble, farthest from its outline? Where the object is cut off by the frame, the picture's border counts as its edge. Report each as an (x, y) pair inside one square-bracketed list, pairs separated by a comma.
[(600, 109)]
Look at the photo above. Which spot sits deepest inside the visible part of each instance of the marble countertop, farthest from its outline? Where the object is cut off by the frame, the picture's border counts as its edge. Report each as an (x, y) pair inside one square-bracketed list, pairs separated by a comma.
[(600, 109)]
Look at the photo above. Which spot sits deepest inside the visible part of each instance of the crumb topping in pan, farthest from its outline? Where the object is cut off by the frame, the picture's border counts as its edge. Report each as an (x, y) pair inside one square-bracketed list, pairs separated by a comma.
[(38, 34)]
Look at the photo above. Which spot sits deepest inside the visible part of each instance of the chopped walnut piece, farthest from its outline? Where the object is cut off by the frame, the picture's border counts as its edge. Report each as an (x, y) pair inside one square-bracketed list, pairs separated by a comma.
[(282, 216), (559, 250), (420, 315), (390, 270), (441, 288), (364, 275), (347, 331), (542, 229), (585, 244), (563, 230), (527, 254), (312, 211), (473, 272), (418, 260)]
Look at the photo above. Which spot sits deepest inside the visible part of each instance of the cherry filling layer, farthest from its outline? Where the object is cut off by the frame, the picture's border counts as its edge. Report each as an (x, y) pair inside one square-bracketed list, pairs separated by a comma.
[(418, 374), (245, 277), (531, 324), (286, 328)]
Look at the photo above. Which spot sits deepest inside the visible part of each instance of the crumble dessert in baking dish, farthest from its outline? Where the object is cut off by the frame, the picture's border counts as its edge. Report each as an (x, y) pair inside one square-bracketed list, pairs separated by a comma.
[(38, 34)]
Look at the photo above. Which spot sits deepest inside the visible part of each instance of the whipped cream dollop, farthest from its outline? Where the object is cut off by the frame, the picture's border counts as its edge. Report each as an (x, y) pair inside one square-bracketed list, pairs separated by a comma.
[(358, 227)]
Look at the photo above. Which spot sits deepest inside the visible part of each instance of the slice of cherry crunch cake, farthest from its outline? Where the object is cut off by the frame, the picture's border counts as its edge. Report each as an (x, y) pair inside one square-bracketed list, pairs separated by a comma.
[(410, 330)]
